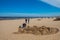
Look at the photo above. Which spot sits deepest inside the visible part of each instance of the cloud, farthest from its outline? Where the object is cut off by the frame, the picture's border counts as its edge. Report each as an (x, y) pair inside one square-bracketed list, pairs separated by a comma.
[(55, 3)]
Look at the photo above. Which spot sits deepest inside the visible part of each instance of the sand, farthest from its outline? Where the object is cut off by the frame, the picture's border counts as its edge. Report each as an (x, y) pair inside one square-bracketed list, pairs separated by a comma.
[(7, 27)]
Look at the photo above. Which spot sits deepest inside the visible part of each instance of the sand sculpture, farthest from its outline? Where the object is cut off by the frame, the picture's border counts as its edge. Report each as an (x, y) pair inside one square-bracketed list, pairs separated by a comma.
[(37, 30)]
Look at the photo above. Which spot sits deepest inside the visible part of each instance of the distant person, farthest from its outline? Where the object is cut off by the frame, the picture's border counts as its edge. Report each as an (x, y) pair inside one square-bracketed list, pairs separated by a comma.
[(26, 20)]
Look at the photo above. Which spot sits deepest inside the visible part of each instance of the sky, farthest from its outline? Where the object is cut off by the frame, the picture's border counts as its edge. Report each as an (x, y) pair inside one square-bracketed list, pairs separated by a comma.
[(55, 3), (29, 8)]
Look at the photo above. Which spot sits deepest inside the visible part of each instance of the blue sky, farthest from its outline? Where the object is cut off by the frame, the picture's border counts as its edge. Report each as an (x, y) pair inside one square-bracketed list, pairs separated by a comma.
[(27, 8)]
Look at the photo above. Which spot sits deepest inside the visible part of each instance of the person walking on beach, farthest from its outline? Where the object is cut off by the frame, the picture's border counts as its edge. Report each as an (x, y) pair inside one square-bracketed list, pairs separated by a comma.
[(26, 20)]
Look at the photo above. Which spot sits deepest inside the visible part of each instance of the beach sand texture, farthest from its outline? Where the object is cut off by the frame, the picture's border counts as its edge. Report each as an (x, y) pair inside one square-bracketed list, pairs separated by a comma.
[(7, 27)]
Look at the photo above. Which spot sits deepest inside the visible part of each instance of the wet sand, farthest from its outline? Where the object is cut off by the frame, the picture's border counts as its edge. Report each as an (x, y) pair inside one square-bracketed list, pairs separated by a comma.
[(7, 27)]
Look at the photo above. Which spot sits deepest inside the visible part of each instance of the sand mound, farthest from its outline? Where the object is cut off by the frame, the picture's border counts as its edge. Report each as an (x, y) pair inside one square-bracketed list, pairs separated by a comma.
[(37, 30)]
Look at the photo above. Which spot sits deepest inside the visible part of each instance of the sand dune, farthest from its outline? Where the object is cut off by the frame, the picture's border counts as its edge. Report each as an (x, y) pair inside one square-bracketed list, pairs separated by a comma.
[(7, 27)]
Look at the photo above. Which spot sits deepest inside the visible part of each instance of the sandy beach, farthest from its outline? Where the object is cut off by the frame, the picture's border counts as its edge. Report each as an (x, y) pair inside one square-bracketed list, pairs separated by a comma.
[(7, 27)]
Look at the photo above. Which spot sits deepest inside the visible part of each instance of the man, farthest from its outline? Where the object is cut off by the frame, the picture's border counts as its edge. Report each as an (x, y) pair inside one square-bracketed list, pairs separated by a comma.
[(26, 20), (23, 25)]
